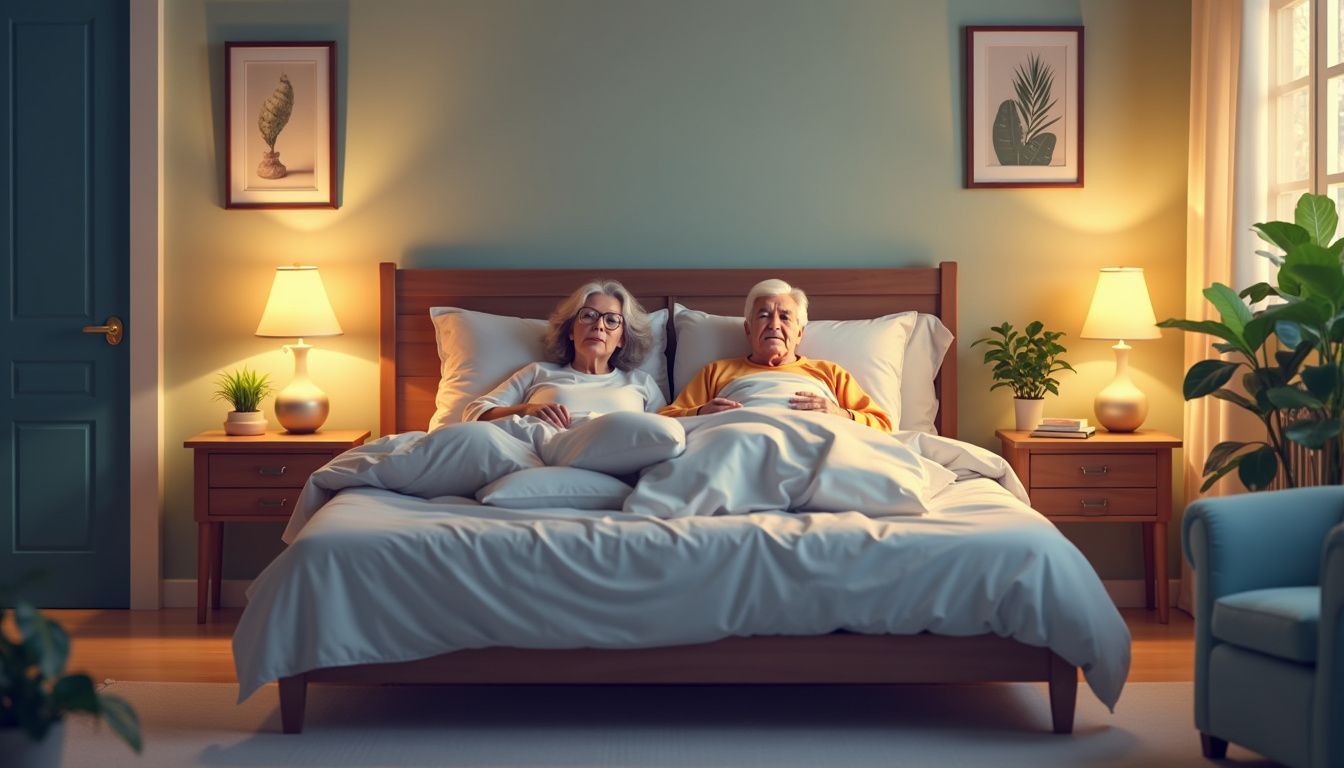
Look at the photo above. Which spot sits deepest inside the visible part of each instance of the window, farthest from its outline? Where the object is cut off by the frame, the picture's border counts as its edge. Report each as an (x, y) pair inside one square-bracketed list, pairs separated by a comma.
[(1306, 93)]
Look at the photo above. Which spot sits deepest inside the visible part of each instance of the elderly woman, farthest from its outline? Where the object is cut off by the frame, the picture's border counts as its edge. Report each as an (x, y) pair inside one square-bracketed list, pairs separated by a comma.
[(774, 317), (589, 393)]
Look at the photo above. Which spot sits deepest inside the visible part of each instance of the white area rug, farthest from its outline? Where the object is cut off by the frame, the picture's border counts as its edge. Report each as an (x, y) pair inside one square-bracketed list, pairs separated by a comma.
[(190, 724)]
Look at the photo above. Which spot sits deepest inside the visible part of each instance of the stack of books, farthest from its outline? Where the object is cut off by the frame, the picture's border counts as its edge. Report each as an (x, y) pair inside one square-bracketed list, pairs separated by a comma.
[(1076, 429)]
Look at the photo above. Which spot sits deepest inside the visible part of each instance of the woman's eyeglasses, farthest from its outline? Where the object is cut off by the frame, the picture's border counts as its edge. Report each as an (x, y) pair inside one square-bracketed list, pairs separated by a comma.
[(610, 320)]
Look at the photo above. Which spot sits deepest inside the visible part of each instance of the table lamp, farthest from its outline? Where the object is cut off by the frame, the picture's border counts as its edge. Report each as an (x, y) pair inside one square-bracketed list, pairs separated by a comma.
[(1121, 310), (298, 307)]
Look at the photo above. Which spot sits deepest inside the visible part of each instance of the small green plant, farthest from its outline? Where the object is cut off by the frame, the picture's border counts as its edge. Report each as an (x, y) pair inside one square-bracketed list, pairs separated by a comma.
[(1025, 362), (244, 388), (35, 694)]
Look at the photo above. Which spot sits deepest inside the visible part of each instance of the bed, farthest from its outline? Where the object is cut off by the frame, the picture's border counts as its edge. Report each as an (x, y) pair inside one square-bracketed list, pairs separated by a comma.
[(285, 620)]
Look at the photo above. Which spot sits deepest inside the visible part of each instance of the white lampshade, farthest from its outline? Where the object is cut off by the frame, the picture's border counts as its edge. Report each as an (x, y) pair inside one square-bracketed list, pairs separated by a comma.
[(1120, 307), (298, 306)]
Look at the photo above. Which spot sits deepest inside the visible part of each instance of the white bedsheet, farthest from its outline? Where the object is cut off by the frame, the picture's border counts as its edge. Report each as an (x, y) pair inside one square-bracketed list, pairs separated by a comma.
[(376, 576)]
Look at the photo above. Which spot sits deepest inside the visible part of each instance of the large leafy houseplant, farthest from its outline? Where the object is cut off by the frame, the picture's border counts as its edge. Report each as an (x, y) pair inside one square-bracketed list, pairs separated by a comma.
[(1288, 354), (35, 692), (1025, 362)]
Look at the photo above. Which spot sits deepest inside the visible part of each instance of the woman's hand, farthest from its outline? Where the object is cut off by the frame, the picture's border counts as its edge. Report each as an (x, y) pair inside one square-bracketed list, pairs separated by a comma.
[(551, 413), (716, 405), (811, 401)]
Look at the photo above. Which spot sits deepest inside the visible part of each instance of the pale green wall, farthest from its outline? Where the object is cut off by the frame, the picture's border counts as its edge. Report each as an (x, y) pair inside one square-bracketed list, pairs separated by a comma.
[(580, 133)]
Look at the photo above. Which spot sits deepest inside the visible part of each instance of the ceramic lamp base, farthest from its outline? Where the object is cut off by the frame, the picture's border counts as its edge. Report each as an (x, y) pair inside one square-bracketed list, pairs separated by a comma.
[(301, 407), (1121, 406), (301, 410)]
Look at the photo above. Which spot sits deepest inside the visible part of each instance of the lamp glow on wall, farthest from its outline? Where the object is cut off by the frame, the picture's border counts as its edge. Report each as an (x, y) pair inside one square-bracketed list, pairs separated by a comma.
[(1121, 310), (298, 308)]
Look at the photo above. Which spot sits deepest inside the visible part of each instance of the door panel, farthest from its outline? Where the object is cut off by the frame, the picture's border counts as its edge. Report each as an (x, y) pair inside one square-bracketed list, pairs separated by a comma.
[(64, 496)]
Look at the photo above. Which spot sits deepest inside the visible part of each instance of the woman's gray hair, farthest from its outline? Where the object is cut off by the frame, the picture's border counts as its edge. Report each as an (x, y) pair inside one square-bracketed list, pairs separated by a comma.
[(774, 287), (635, 342)]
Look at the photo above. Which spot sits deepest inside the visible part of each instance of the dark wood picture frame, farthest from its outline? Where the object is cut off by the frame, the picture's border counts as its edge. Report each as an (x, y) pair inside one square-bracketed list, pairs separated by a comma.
[(1041, 116), (257, 80)]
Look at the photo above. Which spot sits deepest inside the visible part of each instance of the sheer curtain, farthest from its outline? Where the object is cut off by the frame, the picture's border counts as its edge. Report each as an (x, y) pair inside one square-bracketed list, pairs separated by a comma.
[(1227, 193)]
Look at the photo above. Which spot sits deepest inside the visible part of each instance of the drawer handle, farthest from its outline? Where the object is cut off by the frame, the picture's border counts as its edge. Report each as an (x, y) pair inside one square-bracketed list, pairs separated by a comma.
[(271, 503), (1094, 506), (272, 471), (1094, 471)]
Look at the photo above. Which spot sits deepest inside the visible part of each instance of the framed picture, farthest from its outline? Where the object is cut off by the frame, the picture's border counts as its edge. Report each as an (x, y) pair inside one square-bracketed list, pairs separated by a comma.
[(280, 118), (1024, 107)]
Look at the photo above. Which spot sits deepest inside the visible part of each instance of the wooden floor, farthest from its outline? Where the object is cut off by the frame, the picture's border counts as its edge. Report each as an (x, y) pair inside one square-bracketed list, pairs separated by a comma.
[(169, 645)]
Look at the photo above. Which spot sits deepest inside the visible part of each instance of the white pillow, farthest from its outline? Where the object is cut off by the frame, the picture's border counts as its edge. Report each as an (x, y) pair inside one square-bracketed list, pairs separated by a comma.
[(873, 351), (545, 487), (923, 357), (478, 350)]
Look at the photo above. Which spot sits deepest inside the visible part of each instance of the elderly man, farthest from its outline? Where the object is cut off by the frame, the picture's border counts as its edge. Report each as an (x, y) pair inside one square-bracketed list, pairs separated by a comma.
[(773, 374)]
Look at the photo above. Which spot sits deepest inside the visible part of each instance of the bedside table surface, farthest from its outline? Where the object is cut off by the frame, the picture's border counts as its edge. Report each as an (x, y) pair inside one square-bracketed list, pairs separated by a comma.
[(1144, 438), (327, 438)]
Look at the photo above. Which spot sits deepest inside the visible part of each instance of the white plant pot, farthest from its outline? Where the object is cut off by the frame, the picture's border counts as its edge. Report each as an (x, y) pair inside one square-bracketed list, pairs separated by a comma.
[(19, 751), (245, 423), (1028, 413)]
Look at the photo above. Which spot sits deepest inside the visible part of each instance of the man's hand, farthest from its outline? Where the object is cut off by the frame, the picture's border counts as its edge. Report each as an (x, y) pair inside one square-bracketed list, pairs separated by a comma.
[(716, 405), (553, 414), (810, 401)]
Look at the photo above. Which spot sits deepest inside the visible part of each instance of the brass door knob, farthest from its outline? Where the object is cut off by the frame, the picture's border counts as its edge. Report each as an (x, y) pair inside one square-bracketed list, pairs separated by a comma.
[(112, 332)]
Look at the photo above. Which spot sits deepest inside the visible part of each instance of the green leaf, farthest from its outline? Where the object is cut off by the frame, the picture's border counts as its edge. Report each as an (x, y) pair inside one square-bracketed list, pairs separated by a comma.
[(122, 718), (1210, 327), (44, 640), (1321, 380), (1223, 470), (1322, 281), (1220, 454), (1290, 360), (1312, 432), (1292, 398), (1039, 150), (1316, 214), (1258, 468), (1006, 134), (1231, 308), (75, 693), (1206, 377), (1236, 398), (1282, 234), (1289, 333), (1258, 292)]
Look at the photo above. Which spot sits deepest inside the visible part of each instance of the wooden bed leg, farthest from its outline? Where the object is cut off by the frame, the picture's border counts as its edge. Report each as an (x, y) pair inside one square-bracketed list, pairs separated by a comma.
[(293, 697), (1063, 693)]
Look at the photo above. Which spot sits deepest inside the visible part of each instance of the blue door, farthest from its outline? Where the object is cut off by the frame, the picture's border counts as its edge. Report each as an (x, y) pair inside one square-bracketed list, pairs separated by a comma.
[(64, 403)]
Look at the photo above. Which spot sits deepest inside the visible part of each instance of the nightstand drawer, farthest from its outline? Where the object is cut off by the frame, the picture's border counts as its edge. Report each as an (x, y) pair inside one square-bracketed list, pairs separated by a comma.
[(266, 470), (253, 501), (1100, 502), (1093, 470)]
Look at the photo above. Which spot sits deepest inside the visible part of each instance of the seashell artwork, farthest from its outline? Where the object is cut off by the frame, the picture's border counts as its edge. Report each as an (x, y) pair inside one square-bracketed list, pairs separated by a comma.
[(274, 116)]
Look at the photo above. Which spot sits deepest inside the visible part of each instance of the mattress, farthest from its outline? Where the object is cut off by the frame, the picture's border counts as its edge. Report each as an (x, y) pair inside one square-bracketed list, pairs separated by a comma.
[(377, 576)]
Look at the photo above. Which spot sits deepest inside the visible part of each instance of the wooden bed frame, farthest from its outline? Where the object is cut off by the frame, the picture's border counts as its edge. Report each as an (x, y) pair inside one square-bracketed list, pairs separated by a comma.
[(409, 371)]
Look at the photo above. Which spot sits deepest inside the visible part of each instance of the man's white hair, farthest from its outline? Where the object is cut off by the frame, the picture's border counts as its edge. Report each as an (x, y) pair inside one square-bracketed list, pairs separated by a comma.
[(774, 287)]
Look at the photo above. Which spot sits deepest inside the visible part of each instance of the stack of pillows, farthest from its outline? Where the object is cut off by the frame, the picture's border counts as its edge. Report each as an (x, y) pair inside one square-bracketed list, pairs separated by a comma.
[(894, 358)]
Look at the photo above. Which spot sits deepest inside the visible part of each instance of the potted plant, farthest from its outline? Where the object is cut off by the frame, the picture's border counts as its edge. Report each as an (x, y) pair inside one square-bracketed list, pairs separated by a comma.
[(1026, 363), (244, 389), (1294, 384), (35, 694)]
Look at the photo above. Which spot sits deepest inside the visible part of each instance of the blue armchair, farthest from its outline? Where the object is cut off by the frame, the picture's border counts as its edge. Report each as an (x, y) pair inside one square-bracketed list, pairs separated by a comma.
[(1269, 623)]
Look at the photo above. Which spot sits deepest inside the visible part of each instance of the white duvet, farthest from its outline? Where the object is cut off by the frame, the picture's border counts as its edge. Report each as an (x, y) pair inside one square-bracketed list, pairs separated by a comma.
[(378, 576)]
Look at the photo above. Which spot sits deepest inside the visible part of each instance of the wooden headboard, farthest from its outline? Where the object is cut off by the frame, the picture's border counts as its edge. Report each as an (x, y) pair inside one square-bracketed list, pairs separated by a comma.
[(409, 359)]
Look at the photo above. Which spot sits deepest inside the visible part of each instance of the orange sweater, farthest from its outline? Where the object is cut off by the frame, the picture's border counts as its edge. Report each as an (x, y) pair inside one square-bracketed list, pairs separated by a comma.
[(714, 377)]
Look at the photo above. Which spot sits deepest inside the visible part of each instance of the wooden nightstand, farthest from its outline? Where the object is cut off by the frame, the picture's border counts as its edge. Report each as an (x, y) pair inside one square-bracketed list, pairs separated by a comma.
[(1111, 477), (250, 480)]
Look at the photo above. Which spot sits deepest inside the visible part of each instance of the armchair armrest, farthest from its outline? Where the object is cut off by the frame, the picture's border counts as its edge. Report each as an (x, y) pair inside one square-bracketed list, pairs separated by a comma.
[(1328, 734), (1259, 540)]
